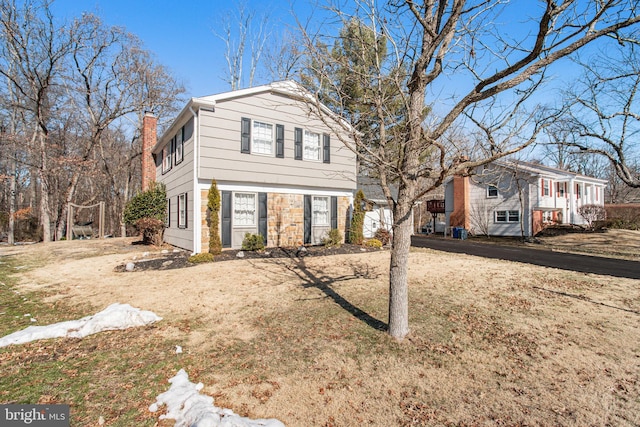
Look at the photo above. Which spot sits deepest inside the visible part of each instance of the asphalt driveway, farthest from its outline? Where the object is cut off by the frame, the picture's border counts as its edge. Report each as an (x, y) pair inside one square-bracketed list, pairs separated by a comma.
[(545, 258)]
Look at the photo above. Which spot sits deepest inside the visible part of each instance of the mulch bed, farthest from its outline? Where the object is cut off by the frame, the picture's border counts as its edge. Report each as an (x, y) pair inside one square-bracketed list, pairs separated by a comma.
[(180, 259)]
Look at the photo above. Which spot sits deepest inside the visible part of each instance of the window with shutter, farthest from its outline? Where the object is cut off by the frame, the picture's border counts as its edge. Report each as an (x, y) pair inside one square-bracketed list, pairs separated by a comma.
[(326, 148), (245, 135), (297, 143), (280, 141)]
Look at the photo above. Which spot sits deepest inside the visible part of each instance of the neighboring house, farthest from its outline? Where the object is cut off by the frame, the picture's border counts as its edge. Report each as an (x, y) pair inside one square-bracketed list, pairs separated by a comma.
[(378, 213), (281, 171), (518, 198)]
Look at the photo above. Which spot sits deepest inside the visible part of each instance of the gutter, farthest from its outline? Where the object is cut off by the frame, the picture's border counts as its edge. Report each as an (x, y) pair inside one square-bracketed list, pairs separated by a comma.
[(197, 214)]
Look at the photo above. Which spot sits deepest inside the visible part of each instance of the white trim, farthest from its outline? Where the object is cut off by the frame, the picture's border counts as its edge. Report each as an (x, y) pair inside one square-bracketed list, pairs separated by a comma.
[(272, 189), (196, 199)]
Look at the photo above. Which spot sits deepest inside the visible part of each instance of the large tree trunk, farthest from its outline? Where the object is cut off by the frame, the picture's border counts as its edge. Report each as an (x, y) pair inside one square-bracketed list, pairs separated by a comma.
[(399, 271), (45, 219)]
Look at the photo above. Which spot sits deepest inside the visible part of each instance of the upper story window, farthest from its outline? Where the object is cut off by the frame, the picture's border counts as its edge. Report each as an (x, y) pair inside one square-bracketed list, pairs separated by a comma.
[(180, 145), (262, 141), (166, 157), (560, 190), (492, 191), (545, 187), (261, 138), (311, 146)]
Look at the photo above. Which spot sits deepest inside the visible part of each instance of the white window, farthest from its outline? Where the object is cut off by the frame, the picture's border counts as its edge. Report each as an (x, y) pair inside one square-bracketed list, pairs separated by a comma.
[(547, 216), (320, 208), (244, 209), (179, 146), (545, 187), (262, 138), (166, 157), (560, 189), (311, 145), (492, 191), (182, 210), (507, 216)]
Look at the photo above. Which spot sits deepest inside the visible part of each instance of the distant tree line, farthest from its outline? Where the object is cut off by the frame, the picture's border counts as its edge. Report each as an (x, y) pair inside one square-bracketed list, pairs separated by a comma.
[(72, 94)]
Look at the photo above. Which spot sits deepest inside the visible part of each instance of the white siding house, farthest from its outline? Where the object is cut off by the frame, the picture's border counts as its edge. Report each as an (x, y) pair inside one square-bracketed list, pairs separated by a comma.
[(518, 198), (281, 171)]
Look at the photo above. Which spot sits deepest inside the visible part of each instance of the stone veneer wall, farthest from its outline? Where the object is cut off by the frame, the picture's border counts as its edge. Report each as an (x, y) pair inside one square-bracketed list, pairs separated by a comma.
[(285, 219)]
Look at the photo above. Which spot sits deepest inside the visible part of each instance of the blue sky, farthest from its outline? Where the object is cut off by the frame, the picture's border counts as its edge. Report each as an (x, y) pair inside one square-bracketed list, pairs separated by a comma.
[(180, 34)]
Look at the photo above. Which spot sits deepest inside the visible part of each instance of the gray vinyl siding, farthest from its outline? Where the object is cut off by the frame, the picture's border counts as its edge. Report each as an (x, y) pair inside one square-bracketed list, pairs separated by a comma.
[(221, 157), (483, 208), (179, 180)]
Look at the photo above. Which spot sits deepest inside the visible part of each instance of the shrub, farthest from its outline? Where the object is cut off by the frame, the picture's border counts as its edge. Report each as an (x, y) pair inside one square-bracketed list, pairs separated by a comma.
[(148, 204), (253, 242), (373, 243), (592, 214), (383, 235), (356, 234), (151, 230), (625, 216), (334, 238), (202, 257), (215, 244)]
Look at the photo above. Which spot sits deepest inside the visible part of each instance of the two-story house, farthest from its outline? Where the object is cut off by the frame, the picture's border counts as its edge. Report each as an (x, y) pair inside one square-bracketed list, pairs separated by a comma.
[(281, 169), (514, 198)]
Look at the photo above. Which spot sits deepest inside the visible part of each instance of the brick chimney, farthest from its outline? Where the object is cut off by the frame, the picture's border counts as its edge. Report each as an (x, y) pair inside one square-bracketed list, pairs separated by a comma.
[(460, 217), (461, 209), (149, 138)]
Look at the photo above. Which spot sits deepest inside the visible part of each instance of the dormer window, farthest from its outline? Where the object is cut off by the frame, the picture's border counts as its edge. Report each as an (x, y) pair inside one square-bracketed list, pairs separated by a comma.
[(492, 191)]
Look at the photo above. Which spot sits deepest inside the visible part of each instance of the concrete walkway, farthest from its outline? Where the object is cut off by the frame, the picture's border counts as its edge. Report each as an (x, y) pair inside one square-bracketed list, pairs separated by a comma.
[(542, 257)]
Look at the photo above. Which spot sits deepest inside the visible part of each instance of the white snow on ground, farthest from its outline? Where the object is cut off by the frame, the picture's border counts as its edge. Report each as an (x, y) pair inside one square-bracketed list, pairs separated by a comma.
[(189, 408), (116, 316)]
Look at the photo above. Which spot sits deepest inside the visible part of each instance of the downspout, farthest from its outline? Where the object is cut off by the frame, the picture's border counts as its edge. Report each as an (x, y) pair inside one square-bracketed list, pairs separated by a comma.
[(197, 214)]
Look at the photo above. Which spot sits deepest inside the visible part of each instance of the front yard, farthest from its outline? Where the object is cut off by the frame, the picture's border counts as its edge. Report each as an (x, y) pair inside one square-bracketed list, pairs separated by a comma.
[(301, 340)]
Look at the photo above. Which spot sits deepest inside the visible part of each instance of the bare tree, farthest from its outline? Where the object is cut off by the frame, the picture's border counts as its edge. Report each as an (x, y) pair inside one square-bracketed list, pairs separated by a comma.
[(603, 108), (499, 67), (74, 94), (34, 48), (245, 34)]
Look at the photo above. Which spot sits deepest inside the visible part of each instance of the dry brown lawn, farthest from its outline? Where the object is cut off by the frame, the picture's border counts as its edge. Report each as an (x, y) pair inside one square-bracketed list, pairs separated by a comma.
[(491, 342)]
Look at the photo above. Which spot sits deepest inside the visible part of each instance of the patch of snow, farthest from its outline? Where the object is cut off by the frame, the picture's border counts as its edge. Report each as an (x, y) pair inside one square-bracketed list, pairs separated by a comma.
[(164, 251), (116, 316), (240, 254), (33, 319), (145, 254), (130, 266), (175, 251), (189, 408), (178, 349)]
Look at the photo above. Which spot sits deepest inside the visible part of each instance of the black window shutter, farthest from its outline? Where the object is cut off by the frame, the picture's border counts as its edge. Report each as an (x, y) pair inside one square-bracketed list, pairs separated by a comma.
[(245, 137), (226, 219), (280, 141), (169, 212), (307, 219), (186, 210), (262, 216), (326, 148), (297, 143), (334, 212)]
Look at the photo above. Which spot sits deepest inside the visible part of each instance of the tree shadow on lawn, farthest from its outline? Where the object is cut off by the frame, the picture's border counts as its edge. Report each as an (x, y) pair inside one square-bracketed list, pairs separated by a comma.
[(323, 282)]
